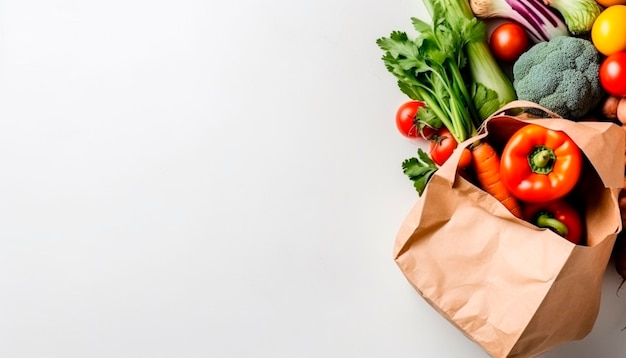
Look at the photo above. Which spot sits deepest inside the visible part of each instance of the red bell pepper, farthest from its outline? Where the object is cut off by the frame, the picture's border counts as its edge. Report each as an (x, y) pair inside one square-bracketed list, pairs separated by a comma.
[(558, 216), (540, 164)]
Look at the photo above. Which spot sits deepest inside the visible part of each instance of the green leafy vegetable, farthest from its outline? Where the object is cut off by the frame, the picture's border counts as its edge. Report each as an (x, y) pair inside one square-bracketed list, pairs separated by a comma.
[(428, 68), (448, 66), (488, 98), (484, 70), (419, 169)]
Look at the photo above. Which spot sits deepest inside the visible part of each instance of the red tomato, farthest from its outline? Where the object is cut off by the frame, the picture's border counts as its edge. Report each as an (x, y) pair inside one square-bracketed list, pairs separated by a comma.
[(508, 41), (441, 146), (427, 132), (613, 74), (406, 117)]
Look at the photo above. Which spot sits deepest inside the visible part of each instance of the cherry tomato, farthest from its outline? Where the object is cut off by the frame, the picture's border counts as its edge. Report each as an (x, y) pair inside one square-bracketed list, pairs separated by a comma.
[(613, 74), (406, 117), (608, 32), (427, 132), (508, 41), (607, 3), (441, 146)]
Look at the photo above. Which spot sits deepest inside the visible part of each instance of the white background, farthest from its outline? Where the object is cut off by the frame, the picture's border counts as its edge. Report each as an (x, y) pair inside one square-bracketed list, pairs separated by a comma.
[(212, 179)]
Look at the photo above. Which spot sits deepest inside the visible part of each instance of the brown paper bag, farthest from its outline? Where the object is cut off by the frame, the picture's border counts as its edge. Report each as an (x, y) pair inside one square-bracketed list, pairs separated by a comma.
[(514, 289)]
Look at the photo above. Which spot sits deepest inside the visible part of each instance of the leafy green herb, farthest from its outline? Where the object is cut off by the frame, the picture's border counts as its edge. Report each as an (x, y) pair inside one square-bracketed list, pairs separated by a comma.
[(484, 70), (419, 169), (428, 68), (450, 68), (487, 98)]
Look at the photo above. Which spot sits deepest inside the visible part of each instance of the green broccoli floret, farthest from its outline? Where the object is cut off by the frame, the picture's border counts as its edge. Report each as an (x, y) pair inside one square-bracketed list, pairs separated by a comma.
[(561, 74)]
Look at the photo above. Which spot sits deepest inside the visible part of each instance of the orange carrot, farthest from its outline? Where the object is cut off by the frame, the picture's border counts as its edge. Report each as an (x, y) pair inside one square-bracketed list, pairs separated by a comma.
[(466, 159), (486, 165)]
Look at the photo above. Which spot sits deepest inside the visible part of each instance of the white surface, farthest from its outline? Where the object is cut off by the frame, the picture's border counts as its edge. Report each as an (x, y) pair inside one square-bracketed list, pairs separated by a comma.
[(211, 179)]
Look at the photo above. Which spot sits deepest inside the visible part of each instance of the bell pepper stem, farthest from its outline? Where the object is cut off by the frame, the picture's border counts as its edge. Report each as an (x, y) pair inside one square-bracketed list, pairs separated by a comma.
[(547, 221), (541, 160)]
